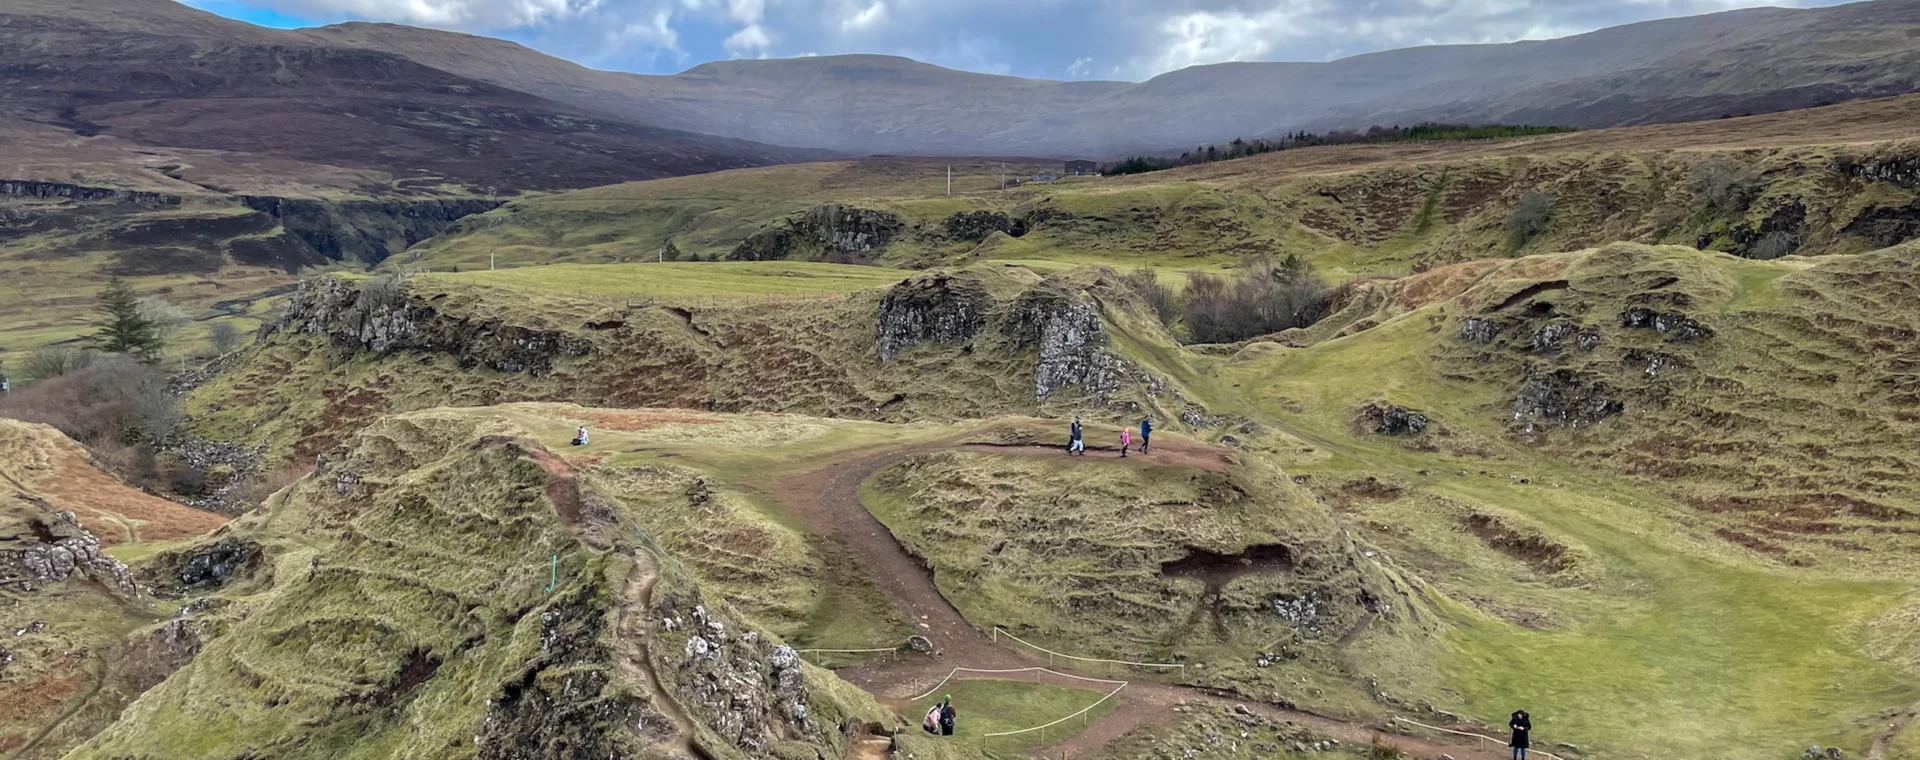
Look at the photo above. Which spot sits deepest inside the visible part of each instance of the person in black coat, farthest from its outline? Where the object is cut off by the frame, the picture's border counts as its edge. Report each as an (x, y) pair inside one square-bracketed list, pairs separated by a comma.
[(1074, 444), (1521, 725), (1146, 434)]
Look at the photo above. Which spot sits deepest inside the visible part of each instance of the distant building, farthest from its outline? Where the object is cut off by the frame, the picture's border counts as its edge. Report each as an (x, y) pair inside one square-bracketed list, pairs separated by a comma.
[(1082, 168), (1044, 178)]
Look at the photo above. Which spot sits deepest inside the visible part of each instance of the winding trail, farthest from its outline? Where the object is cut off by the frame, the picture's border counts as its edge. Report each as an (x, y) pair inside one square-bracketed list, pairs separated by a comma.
[(1884, 740), (827, 501)]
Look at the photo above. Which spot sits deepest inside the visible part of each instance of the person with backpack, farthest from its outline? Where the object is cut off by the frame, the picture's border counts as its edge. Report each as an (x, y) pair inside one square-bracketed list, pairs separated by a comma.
[(1126, 439), (931, 724), (1146, 433), (580, 436), (947, 716), (1074, 444), (1521, 725)]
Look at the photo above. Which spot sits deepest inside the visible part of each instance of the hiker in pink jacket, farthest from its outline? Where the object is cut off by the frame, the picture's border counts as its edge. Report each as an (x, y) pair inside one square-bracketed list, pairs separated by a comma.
[(1126, 439)]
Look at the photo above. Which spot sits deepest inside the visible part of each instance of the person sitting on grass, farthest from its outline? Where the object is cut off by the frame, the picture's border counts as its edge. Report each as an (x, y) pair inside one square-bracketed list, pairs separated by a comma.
[(931, 724), (1521, 725), (580, 436)]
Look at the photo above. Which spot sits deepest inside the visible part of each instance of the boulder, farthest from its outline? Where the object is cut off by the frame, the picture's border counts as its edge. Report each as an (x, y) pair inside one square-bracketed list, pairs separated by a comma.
[(936, 308), (1481, 331)]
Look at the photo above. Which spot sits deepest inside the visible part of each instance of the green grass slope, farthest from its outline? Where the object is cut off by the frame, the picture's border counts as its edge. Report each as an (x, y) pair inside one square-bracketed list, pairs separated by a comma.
[(444, 587)]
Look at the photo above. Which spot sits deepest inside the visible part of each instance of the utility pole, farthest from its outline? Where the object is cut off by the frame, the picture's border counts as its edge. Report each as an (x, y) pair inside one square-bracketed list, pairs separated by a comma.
[(1003, 175), (949, 180), (490, 260)]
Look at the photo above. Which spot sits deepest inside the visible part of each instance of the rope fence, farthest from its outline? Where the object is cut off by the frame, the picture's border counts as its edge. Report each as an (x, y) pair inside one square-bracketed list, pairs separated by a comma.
[(998, 632), (1118, 686), (893, 653), (1483, 737)]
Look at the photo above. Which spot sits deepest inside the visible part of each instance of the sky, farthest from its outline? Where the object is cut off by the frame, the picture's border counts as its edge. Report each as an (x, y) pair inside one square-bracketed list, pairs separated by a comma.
[(1129, 40)]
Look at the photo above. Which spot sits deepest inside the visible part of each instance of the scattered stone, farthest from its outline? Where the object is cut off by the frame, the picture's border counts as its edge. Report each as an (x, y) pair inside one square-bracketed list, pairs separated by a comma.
[(919, 644), (1392, 419), (977, 225), (1563, 398), (1553, 336)]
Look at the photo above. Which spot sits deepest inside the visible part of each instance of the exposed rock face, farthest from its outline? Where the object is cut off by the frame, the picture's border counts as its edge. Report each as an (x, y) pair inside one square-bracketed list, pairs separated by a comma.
[(18, 188), (1481, 331), (365, 231), (566, 704), (937, 308), (832, 232), (750, 691), (1562, 398), (1072, 344), (1903, 171), (977, 225), (1392, 419), (1554, 336), (1675, 326), (59, 548), (383, 318), (203, 567)]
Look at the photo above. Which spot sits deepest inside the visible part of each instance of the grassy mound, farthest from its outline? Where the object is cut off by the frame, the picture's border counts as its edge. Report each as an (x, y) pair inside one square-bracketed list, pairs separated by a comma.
[(443, 578)]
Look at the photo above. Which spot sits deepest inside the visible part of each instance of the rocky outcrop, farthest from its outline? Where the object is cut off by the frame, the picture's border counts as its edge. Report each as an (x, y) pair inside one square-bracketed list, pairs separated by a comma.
[(1392, 419), (383, 318), (364, 231), (933, 308), (1554, 336), (831, 232), (566, 697), (1677, 327), (20, 188), (58, 548), (975, 226), (749, 690), (1479, 330), (1563, 398), (1903, 171), (201, 568), (1065, 327)]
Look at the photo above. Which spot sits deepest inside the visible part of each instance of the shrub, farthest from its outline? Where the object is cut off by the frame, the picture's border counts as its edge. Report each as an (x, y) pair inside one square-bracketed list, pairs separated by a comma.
[(52, 362), (1774, 245), (111, 399), (1530, 218), (1263, 297), (166, 318), (223, 337), (268, 484), (1725, 187), (1146, 283)]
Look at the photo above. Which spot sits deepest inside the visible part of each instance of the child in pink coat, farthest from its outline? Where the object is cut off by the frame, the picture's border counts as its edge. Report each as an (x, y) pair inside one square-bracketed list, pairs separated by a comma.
[(1126, 439)]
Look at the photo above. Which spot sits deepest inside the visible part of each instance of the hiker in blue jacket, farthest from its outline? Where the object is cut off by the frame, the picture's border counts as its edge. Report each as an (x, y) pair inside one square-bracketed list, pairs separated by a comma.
[(1146, 434)]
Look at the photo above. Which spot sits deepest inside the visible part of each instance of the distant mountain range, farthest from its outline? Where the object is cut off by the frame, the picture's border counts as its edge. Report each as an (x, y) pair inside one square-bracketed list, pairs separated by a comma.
[(400, 107), (1684, 69)]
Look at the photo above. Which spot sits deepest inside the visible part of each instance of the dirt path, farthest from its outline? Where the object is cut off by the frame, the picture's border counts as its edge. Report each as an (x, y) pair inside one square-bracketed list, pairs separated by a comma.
[(632, 639), (827, 501), (1884, 741)]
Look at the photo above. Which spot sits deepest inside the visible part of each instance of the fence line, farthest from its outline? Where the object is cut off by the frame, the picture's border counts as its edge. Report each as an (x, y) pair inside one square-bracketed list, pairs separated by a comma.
[(893, 653), (1484, 737), (998, 632), (1083, 711), (957, 671)]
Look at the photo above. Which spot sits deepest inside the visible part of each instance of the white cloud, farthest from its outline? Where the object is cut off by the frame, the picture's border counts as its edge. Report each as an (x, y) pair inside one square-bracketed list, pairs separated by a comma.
[(1080, 68), (653, 37), (866, 18), (454, 14), (751, 39)]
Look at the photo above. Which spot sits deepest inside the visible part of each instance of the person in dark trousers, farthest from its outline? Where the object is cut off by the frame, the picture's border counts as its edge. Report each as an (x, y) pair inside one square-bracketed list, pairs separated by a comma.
[(932, 722), (1521, 725), (1126, 440), (1074, 444), (947, 715), (1146, 434)]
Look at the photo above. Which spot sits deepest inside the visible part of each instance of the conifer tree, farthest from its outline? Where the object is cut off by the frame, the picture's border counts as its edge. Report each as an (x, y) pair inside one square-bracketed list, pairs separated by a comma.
[(124, 330)]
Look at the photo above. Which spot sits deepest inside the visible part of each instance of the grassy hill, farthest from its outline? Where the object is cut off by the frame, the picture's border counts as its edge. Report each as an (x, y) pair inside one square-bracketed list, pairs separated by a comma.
[(1831, 180)]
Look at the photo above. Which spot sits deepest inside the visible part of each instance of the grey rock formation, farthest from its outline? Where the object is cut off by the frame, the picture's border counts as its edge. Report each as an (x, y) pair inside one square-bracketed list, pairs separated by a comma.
[(1563, 398), (17, 188), (1392, 419), (937, 308), (1072, 345), (1903, 171), (1554, 336), (978, 225), (383, 318), (832, 232), (1481, 331), (57, 549), (1675, 326)]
